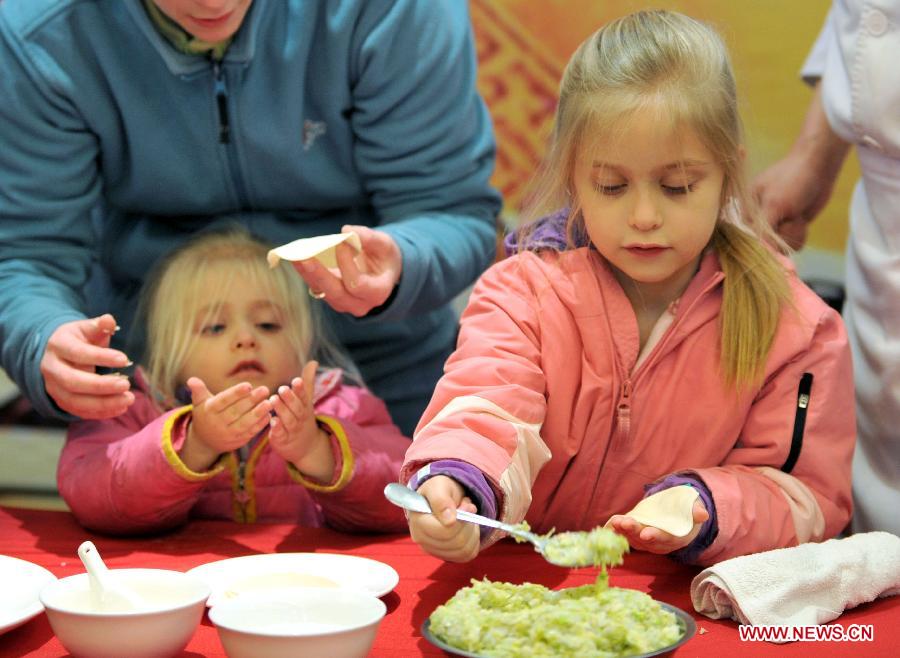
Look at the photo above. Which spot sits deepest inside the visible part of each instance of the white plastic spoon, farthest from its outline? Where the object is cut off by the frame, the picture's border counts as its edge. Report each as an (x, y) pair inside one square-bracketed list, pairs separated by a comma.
[(106, 594)]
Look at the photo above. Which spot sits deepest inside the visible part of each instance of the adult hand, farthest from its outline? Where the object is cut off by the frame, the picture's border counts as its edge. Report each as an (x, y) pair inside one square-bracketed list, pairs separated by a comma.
[(294, 433), (223, 422), (69, 368), (441, 533), (791, 193), (363, 280), (653, 540)]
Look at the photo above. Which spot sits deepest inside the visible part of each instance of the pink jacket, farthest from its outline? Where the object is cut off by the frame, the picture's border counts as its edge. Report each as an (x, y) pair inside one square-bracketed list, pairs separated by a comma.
[(123, 475), (543, 396)]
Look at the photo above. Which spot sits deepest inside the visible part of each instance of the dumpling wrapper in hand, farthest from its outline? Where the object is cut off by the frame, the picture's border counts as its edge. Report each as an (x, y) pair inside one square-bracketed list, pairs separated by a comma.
[(321, 247), (671, 510)]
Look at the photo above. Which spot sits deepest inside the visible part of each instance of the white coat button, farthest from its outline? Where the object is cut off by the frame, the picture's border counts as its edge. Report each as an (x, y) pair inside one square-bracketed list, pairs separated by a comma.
[(876, 23), (871, 142)]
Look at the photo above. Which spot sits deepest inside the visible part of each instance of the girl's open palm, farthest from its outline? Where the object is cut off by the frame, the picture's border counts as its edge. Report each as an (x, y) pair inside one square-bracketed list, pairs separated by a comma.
[(226, 421), (294, 432), (653, 540)]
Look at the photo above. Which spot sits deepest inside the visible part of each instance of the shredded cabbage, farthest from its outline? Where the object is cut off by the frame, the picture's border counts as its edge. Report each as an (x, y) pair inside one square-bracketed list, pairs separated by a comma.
[(601, 547), (502, 619)]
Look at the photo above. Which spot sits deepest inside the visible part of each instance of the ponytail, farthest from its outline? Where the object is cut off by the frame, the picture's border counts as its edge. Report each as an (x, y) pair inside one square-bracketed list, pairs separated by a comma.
[(755, 290)]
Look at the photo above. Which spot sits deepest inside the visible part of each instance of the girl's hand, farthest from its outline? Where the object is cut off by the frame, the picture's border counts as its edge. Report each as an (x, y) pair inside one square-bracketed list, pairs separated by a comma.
[(294, 433), (653, 540), (69, 368), (364, 280), (223, 422), (441, 533)]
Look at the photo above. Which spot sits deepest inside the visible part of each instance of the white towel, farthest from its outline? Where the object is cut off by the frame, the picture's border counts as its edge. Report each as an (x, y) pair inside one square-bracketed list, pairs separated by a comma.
[(805, 585)]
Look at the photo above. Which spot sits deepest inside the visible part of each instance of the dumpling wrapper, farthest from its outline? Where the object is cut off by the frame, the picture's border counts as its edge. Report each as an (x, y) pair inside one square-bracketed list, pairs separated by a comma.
[(671, 510), (321, 247)]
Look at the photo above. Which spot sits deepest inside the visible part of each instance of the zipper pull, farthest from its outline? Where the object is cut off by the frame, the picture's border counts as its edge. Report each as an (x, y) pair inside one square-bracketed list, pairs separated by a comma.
[(623, 411), (221, 103)]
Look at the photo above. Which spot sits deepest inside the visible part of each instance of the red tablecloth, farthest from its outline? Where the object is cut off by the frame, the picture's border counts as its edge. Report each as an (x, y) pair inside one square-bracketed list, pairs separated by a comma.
[(50, 539)]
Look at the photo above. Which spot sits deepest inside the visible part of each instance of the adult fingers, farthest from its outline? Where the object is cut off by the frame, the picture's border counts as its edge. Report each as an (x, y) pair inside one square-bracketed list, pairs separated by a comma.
[(346, 257), (794, 232), (321, 280), (74, 342), (94, 407)]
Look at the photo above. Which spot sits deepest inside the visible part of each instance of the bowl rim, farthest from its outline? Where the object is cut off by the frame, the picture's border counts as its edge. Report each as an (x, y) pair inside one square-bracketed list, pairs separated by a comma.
[(204, 592), (250, 601)]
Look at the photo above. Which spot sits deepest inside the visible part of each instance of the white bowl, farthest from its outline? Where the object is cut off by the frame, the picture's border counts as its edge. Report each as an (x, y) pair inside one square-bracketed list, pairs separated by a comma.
[(334, 623), (171, 607)]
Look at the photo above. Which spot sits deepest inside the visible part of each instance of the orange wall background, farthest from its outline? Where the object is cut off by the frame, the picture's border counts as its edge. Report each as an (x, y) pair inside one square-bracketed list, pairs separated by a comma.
[(523, 46)]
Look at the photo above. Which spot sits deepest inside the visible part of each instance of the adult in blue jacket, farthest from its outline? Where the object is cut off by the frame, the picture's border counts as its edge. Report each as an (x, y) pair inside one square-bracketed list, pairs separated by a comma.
[(128, 125)]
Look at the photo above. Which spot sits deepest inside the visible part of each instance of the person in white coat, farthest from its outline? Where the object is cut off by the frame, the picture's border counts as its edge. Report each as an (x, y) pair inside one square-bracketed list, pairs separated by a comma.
[(854, 68)]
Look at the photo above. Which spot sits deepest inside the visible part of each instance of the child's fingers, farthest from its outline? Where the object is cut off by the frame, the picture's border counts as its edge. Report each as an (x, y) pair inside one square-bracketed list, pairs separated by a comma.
[(652, 535), (699, 512), (284, 404), (276, 430), (309, 379), (241, 405), (228, 397), (468, 506), (443, 499), (624, 524), (252, 421), (199, 392), (458, 543)]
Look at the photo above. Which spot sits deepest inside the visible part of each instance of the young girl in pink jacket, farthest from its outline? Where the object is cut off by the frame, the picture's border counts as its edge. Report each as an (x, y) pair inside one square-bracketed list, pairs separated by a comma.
[(232, 417), (646, 337)]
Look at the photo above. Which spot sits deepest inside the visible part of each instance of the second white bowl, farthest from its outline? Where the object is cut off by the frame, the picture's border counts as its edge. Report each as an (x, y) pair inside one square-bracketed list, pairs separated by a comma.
[(336, 623)]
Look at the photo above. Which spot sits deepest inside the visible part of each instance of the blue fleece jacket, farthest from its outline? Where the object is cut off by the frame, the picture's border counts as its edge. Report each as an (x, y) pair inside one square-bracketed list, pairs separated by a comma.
[(116, 147)]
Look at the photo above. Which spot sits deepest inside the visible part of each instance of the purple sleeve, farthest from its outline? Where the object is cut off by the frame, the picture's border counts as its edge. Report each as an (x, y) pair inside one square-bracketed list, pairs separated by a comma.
[(470, 478), (689, 554), (545, 233)]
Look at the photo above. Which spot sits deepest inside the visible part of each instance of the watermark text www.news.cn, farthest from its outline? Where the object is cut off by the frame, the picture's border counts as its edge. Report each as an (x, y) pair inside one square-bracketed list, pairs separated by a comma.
[(823, 633)]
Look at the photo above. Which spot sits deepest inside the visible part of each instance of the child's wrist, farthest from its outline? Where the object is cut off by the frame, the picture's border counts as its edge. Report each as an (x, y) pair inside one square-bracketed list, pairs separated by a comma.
[(196, 454), (318, 461)]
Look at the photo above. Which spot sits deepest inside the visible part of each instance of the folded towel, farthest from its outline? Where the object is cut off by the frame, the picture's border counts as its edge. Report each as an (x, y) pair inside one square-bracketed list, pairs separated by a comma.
[(801, 586)]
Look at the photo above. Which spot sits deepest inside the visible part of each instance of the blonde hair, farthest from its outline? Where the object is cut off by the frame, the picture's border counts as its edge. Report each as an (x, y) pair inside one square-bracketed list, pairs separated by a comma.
[(179, 288), (679, 68)]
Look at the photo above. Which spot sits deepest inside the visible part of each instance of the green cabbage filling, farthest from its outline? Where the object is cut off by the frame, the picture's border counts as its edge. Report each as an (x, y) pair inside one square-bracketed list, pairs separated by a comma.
[(502, 619)]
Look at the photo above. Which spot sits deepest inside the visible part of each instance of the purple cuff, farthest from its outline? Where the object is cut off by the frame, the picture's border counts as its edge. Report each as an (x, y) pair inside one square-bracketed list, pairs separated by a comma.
[(470, 478), (710, 528), (545, 233)]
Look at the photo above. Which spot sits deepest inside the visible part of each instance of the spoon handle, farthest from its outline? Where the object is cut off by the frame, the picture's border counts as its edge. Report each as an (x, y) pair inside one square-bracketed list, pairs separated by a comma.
[(480, 520), (506, 527)]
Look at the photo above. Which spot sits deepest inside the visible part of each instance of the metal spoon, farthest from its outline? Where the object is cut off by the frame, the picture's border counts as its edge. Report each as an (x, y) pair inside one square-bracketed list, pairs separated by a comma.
[(106, 594), (406, 498)]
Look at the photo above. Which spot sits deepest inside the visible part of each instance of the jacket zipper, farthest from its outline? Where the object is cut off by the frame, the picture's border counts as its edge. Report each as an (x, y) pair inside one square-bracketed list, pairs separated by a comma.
[(241, 495), (623, 411), (803, 392), (623, 407), (220, 88), (221, 91)]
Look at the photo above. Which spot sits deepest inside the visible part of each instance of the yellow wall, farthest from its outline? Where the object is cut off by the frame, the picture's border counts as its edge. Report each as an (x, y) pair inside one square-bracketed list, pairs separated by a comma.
[(523, 46)]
